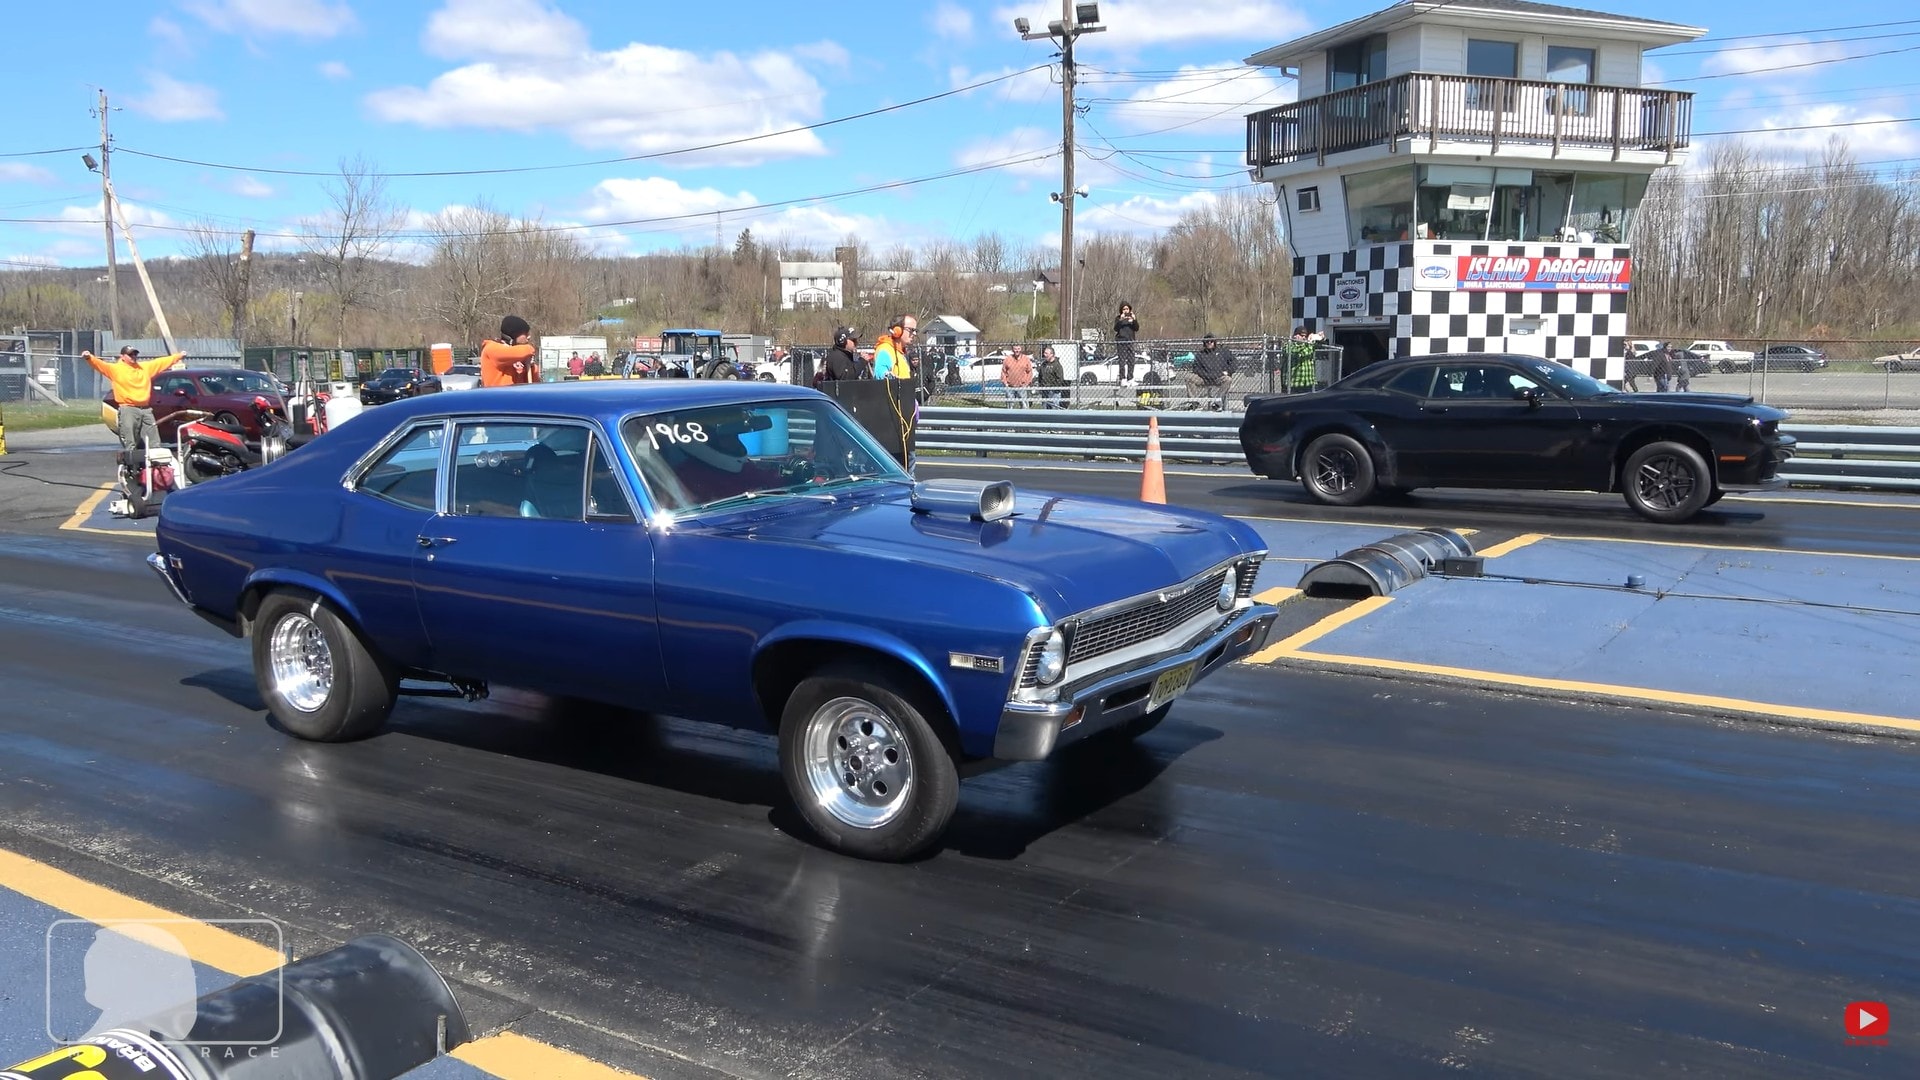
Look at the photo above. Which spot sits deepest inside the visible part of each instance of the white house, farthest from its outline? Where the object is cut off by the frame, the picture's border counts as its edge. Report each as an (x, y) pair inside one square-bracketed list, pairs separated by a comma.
[(1463, 175), (811, 285)]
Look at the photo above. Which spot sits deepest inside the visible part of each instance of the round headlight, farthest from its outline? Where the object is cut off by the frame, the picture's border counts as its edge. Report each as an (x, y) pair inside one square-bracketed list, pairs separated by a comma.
[(1229, 591), (1053, 659)]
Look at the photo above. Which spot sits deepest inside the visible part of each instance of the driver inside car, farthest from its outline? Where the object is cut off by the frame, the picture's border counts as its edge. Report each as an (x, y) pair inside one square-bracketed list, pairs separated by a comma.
[(719, 468)]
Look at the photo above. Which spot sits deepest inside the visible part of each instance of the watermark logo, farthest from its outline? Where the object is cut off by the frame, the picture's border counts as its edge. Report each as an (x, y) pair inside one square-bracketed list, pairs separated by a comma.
[(136, 976), (1867, 1023)]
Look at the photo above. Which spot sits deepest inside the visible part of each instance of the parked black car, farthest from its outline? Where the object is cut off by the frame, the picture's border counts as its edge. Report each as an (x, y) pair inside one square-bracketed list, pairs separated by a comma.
[(396, 383), (1488, 420)]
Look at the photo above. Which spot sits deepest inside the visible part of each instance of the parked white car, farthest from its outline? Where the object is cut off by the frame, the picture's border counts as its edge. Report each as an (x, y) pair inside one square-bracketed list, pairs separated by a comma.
[(1724, 357), (1900, 361), (461, 377)]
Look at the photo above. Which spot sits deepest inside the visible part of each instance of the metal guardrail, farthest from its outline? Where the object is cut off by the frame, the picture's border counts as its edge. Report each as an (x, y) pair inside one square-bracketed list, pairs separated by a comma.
[(1832, 456)]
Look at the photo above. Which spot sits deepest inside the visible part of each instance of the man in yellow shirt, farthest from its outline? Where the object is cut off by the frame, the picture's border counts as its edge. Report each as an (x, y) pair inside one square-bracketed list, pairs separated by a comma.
[(132, 380)]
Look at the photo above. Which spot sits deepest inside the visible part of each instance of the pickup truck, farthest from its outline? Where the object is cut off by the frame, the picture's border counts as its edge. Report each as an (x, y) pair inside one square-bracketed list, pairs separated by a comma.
[(1723, 356)]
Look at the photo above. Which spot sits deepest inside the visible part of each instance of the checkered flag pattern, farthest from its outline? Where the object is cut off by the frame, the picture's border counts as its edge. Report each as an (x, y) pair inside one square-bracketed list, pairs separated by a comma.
[(1584, 330)]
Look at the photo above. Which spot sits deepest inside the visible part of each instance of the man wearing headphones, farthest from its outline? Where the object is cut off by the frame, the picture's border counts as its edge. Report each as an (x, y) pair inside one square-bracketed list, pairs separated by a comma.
[(843, 360), (890, 352)]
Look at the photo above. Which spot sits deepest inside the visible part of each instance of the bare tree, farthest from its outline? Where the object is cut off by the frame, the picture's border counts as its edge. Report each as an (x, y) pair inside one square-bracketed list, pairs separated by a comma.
[(356, 231), (215, 259)]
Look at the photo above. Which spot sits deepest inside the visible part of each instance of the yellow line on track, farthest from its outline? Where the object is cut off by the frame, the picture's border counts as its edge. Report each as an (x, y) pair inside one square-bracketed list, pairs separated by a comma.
[(1515, 544), (82, 899), (87, 507), (1630, 693), (516, 1057), (1731, 547), (1278, 595), (1320, 629)]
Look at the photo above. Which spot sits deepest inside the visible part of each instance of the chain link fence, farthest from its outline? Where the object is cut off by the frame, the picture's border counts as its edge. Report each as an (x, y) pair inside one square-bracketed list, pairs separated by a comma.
[(1838, 374)]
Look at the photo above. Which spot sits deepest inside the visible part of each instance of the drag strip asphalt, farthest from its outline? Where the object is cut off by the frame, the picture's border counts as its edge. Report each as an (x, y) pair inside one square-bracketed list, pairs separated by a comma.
[(1300, 873)]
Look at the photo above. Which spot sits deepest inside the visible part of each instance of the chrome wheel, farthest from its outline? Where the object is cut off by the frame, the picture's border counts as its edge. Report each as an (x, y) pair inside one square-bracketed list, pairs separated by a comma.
[(301, 663), (1665, 482), (858, 763)]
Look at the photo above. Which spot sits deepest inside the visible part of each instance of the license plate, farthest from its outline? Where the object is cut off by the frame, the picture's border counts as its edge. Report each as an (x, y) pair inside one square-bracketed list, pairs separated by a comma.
[(1170, 685)]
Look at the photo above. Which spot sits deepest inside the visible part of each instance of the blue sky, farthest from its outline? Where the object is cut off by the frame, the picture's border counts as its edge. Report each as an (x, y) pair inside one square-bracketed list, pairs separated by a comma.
[(448, 85)]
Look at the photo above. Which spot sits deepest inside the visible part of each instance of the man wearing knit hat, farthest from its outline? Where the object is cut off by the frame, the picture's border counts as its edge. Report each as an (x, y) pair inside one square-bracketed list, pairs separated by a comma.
[(510, 359)]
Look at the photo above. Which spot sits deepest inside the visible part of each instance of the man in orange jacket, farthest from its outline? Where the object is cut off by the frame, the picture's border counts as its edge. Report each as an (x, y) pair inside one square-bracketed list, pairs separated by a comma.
[(510, 359), (132, 380)]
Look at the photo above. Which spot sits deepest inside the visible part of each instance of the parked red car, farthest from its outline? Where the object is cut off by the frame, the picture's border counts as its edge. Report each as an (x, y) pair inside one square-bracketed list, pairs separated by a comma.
[(224, 394)]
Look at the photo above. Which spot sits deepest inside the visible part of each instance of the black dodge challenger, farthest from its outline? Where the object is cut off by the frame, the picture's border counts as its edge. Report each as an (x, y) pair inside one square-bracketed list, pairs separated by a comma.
[(1491, 420)]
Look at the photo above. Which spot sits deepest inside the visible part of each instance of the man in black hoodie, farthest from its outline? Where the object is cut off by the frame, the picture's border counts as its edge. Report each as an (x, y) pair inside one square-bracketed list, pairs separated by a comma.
[(843, 360)]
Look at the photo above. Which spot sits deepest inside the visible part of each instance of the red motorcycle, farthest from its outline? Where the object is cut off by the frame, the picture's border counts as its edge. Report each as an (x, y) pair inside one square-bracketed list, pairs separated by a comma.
[(208, 449)]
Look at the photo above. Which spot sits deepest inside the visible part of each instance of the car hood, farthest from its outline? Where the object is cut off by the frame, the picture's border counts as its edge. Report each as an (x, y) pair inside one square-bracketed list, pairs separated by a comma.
[(1742, 403), (1070, 552)]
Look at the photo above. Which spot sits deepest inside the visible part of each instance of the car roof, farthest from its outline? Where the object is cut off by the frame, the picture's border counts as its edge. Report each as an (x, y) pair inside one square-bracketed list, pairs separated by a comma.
[(1449, 358), (609, 398)]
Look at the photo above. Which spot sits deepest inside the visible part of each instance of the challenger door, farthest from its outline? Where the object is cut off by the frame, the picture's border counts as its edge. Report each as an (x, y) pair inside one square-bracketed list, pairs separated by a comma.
[(1489, 424)]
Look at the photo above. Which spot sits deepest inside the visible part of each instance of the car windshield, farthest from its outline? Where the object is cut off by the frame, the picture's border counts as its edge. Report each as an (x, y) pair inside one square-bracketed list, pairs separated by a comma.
[(249, 382), (394, 374), (464, 369), (700, 459), (1574, 384)]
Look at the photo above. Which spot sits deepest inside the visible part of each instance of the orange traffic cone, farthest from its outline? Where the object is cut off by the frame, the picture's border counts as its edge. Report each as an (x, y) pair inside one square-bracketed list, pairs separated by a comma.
[(1153, 478)]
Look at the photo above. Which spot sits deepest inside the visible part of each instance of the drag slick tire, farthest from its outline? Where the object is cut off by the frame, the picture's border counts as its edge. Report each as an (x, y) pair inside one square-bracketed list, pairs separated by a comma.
[(1337, 470), (319, 680), (864, 765), (1666, 482)]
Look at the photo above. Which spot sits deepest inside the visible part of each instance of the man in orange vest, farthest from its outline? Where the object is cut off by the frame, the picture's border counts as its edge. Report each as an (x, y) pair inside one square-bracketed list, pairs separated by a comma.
[(510, 359), (132, 380)]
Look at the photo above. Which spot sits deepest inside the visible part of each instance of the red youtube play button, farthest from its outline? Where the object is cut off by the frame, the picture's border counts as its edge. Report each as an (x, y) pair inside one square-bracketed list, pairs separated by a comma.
[(1868, 1020)]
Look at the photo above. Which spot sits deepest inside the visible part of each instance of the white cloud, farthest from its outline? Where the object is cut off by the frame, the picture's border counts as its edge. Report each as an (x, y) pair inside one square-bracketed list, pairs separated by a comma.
[(951, 22), (1651, 72), (521, 29), (1021, 142), (335, 70), (1203, 99), (250, 187), (1772, 59), (14, 172), (1141, 213), (87, 218), (1034, 86), (170, 33), (1876, 134), (299, 18), (656, 197), (639, 99), (1135, 23), (169, 100), (825, 53)]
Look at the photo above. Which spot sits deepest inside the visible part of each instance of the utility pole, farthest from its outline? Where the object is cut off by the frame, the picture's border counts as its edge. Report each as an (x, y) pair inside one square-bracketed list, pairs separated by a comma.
[(1076, 17), (246, 293), (153, 298), (106, 204)]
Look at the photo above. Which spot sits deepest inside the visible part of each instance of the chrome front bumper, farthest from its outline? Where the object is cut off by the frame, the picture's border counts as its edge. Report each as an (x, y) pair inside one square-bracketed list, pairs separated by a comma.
[(158, 563), (1031, 730)]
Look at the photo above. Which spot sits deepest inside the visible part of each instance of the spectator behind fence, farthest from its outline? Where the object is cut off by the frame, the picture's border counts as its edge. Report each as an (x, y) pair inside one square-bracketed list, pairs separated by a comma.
[(1212, 368), (1053, 379), (1125, 329), (1016, 374), (890, 352)]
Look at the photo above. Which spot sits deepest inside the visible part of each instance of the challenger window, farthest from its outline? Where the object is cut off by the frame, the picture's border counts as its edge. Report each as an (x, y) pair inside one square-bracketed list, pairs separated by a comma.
[(700, 458), (1415, 381), (520, 469), (1471, 382), (408, 474)]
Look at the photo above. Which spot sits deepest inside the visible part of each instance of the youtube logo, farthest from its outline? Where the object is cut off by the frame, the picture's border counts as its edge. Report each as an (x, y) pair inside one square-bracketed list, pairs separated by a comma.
[(1867, 1020)]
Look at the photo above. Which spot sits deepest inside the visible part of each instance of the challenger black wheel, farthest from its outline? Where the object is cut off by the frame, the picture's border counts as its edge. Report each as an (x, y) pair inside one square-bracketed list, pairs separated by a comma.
[(1666, 482), (1337, 470), (319, 680), (864, 765)]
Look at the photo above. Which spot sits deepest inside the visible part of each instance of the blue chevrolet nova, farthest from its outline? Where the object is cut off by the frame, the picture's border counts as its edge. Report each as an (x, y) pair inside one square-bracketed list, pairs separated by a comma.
[(734, 552)]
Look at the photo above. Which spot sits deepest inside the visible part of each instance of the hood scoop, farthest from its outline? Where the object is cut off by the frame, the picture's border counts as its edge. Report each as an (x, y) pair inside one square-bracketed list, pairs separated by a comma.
[(975, 500)]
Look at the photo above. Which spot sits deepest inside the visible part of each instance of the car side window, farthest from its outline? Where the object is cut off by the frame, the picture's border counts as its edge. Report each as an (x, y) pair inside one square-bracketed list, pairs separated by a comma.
[(213, 384), (176, 382), (606, 499), (408, 474), (520, 469), (1416, 381), (1473, 382)]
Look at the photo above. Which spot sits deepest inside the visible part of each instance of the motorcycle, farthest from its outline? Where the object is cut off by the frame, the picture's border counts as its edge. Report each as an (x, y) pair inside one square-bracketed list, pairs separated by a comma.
[(208, 449)]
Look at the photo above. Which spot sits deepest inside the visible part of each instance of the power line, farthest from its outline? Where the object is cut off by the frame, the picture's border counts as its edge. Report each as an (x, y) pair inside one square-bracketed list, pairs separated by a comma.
[(1811, 127), (43, 153), (1790, 44), (604, 161), (1786, 67), (1797, 33)]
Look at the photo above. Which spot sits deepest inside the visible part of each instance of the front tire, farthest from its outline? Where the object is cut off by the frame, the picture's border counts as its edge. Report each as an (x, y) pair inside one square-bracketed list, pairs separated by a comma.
[(864, 764), (1666, 482), (1337, 470), (319, 679)]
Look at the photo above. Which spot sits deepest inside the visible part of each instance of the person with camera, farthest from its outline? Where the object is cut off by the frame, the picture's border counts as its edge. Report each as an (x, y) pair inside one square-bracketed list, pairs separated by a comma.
[(509, 360)]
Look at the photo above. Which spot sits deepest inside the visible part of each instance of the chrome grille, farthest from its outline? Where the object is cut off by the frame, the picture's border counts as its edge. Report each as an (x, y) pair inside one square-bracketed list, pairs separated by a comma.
[(1144, 620), (1030, 667), (1249, 570)]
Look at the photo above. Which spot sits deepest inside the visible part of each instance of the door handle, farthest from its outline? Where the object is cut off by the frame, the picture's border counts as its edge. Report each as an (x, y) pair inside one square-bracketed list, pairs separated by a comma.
[(435, 541), (1433, 408)]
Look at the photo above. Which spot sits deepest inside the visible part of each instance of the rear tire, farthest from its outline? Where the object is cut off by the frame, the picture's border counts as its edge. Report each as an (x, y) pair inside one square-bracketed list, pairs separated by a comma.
[(319, 679), (1666, 482), (864, 764), (226, 419), (1337, 470)]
